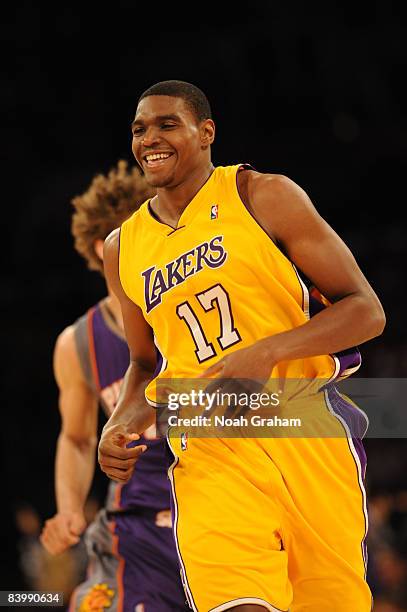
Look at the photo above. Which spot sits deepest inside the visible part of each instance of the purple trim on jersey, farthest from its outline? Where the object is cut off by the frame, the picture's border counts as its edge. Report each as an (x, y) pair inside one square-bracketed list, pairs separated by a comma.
[(118, 253), (173, 460), (245, 167), (149, 486), (351, 358), (159, 363), (171, 457), (315, 306)]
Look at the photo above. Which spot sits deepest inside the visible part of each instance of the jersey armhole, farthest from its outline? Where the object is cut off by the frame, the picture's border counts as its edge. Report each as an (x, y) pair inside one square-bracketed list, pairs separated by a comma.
[(82, 342), (119, 265)]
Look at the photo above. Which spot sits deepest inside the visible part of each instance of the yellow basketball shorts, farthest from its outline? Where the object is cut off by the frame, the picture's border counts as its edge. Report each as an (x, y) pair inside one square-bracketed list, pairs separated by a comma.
[(277, 522)]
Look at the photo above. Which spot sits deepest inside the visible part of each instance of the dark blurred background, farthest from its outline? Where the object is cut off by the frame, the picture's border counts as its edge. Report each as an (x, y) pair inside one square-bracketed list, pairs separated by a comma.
[(314, 92)]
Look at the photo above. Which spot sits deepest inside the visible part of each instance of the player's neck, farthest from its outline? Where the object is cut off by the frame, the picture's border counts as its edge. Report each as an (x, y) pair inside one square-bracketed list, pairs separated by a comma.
[(172, 201), (113, 305)]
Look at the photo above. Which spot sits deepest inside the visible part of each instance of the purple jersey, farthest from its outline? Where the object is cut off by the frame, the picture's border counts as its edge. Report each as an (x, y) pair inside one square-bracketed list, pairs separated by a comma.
[(104, 357)]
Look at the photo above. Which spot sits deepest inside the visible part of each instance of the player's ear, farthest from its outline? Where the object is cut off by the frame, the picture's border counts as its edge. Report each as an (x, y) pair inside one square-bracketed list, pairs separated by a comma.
[(207, 130), (98, 246)]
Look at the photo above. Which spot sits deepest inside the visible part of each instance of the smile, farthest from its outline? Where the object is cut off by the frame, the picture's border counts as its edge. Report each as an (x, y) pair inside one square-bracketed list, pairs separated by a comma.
[(156, 159)]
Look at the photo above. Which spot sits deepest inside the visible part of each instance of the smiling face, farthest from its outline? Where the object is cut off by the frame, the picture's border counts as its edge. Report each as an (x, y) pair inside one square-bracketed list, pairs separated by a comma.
[(169, 143)]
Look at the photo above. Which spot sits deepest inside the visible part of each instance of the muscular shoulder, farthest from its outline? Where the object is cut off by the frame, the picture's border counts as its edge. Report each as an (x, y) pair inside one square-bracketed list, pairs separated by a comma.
[(111, 260), (275, 201), (274, 189), (65, 346), (112, 242), (256, 179), (67, 366)]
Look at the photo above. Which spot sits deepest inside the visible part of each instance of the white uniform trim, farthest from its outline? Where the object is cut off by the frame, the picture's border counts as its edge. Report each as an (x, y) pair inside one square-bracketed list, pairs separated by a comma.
[(305, 294), (349, 371), (245, 600), (337, 367), (174, 527), (359, 471), (153, 403), (163, 367), (165, 362)]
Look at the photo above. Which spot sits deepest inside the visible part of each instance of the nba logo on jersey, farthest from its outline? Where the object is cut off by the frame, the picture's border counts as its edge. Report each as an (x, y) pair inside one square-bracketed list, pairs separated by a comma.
[(214, 211), (184, 441)]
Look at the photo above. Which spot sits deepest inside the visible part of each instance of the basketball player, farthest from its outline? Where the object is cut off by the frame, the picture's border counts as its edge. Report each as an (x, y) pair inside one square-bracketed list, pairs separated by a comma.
[(133, 562), (207, 265)]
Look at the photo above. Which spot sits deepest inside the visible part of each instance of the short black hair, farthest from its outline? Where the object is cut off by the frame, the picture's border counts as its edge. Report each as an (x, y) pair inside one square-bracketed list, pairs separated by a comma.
[(192, 95)]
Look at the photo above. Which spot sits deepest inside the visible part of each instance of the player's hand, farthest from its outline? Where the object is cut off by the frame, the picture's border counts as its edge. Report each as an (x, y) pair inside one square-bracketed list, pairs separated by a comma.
[(245, 371), (115, 459), (62, 531), (251, 363)]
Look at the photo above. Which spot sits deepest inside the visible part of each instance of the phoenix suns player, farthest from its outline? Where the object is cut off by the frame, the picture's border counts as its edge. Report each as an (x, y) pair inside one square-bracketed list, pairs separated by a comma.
[(133, 566), (206, 271)]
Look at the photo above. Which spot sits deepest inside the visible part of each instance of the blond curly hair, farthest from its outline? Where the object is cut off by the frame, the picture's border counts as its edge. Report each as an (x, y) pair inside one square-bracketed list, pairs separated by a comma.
[(108, 202)]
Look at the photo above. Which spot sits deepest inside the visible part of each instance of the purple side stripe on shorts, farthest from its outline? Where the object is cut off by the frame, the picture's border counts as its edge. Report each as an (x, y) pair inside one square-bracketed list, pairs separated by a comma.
[(355, 419), (351, 418)]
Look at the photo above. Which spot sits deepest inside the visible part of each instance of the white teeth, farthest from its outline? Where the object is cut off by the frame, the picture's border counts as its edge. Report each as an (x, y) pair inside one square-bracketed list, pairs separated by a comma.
[(155, 156)]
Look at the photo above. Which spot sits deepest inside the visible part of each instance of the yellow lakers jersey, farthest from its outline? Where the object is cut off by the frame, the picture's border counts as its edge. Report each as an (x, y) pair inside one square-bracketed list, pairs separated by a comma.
[(215, 284)]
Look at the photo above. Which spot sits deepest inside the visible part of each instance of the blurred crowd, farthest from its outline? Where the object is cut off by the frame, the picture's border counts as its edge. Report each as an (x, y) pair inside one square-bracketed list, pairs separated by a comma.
[(387, 542)]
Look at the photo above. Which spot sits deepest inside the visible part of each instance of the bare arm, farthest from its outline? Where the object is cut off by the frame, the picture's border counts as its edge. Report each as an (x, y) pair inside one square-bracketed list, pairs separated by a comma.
[(132, 414), (75, 456), (288, 216), (356, 316)]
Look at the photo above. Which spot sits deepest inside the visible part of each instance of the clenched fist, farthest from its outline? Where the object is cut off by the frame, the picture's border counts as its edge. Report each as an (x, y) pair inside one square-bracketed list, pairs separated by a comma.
[(62, 531)]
